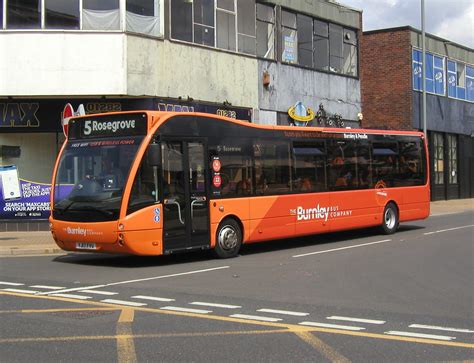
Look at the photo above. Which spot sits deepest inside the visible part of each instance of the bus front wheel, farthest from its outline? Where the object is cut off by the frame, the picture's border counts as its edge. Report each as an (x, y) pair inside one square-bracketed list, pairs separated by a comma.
[(390, 219), (228, 239)]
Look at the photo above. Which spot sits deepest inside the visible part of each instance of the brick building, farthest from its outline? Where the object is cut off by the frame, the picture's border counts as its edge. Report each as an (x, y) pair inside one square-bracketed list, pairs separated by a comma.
[(391, 93)]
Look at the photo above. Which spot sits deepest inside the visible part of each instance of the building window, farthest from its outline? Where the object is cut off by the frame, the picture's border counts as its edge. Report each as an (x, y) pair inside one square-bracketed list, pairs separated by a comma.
[(143, 16), (203, 26), (265, 31), (438, 146), (225, 24), (24, 14), (289, 37), (305, 40), (226, 27), (429, 73), (246, 39), (434, 73), (470, 83), (60, 14), (100, 15), (417, 68), (461, 80), (182, 20), (438, 75), (350, 52), (452, 159), (321, 45), (336, 58), (452, 79), (457, 79)]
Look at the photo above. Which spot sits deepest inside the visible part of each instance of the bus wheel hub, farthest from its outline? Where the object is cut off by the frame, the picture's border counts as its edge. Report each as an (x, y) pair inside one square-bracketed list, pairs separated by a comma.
[(227, 238)]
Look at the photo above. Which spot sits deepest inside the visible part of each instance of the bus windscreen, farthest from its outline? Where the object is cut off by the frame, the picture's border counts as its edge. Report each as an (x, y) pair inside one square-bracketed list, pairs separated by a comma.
[(91, 177)]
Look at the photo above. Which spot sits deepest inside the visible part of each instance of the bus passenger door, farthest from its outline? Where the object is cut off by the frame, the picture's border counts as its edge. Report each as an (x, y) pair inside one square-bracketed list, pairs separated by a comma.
[(185, 217), (197, 197)]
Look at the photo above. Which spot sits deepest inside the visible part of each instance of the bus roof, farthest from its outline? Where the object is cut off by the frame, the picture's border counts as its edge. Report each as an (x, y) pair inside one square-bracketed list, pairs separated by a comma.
[(158, 117)]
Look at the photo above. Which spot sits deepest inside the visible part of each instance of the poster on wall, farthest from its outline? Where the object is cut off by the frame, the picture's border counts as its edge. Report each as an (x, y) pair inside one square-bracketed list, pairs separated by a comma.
[(29, 200), (10, 182)]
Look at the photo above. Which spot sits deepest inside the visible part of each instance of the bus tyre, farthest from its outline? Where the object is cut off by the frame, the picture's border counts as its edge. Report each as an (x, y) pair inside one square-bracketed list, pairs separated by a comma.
[(390, 219), (228, 239)]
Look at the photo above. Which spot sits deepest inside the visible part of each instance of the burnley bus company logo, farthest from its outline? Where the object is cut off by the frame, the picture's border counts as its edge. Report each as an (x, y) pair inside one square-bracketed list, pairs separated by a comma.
[(319, 213)]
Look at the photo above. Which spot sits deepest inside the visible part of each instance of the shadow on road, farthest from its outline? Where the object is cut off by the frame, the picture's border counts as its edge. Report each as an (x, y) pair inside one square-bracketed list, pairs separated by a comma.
[(127, 261)]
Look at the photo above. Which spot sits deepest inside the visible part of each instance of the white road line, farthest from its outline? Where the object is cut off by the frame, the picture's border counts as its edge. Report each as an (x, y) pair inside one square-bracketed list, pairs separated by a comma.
[(214, 305), (254, 317), (357, 320), (443, 214), (186, 310), (416, 335), (122, 302), (138, 280), (342, 248), (21, 291), (10, 283), (72, 296), (449, 229), (73, 289), (283, 312), (99, 292), (153, 298), (333, 326), (419, 326), (48, 287)]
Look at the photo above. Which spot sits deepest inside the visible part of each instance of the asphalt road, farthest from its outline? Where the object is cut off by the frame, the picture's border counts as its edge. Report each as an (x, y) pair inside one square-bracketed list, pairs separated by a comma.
[(353, 296)]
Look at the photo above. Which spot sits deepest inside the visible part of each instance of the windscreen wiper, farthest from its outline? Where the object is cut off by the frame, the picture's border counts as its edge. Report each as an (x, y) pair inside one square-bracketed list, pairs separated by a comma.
[(64, 209)]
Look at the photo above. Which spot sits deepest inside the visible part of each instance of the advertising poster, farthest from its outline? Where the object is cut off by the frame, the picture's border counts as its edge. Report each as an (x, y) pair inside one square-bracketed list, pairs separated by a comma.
[(31, 199)]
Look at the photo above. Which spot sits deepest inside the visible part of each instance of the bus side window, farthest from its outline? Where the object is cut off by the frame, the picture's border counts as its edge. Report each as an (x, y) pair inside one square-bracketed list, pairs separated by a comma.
[(342, 161), (385, 162), (236, 170), (310, 172), (273, 167), (411, 166)]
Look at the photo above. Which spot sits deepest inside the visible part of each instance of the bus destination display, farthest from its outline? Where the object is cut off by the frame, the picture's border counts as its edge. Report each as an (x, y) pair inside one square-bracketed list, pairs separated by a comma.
[(129, 124)]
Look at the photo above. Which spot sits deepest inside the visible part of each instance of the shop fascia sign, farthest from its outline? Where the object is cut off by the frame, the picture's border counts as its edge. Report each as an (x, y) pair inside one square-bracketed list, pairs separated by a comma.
[(19, 114)]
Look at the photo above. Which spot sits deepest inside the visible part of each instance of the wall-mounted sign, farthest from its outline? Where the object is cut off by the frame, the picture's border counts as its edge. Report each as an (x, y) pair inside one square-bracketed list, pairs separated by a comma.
[(300, 114)]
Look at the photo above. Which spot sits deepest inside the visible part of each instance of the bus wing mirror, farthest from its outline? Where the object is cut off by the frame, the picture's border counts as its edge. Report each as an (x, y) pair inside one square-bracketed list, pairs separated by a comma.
[(154, 155)]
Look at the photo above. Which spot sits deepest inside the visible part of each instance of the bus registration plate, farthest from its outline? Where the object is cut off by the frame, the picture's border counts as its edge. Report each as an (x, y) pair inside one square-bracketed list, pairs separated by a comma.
[(85, 246)]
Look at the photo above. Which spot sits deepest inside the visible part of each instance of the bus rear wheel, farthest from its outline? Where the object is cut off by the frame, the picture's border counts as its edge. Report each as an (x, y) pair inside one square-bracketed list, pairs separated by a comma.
[(228, 239), (390, 219)]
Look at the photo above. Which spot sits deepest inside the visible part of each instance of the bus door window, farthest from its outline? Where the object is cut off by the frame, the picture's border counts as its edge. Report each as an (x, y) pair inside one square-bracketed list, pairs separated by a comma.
[(385, 162), (197, 187), (173, 182), (310, 171), (273, 167)]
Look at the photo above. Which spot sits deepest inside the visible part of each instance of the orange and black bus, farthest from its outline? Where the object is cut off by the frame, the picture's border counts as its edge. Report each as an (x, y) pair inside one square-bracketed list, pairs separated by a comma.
[(152, 183)]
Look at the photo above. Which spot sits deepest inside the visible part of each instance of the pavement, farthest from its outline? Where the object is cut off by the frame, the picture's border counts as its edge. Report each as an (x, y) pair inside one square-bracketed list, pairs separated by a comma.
[(42, 243)]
